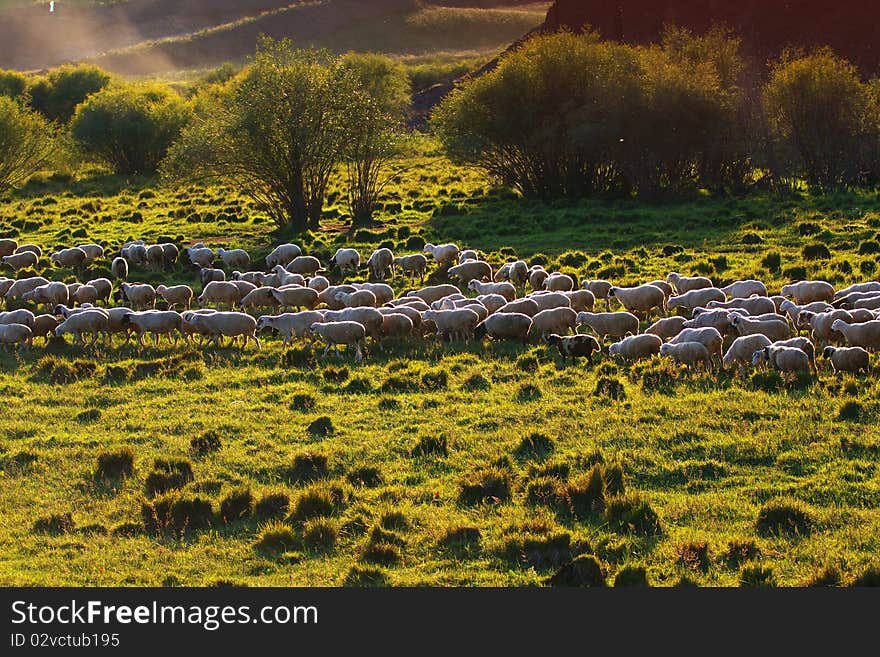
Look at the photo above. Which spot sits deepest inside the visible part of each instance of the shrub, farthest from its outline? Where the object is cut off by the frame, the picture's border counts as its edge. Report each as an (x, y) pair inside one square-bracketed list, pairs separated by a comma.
[(631, 576), (237, 505), (585, 570), (130, 126), (207, 442), (784, 516), (116, 464), (319, 534), (431, 446), (272, 505), (275, 537), (168, 474), (632, 514), (491, 483), (756, 575), (57, 523), (57, 95)]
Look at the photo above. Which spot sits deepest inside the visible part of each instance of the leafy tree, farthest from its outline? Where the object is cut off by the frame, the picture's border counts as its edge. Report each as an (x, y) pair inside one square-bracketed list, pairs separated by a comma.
[(57, 94), (26, 143), (12, 84), (130, 127)]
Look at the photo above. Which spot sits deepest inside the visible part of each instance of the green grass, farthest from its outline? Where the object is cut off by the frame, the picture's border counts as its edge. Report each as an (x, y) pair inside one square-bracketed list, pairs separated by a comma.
[(432, 484)]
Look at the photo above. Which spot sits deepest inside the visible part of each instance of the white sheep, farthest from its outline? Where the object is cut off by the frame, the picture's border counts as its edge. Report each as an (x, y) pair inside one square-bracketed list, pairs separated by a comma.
[(92, 321), (848, 359), (176, 295), (865, 335), (636, 347), (226, 324), (453, 324), (775, 329), (412, 266), (21, 316), (666, 328), (290, 325), (537, 276), (24, 285), (610, 324), (685, 284), (505, 326), (262, 298), (318, 283), (690, 354), (694, 298), (524, 306), (380, 262), (44, 326), (516, 272), (444, 253), (244, 287), (350, 334), (745, 289), (820, 323), (492, 302), (209, 274), (640, 299), (742, 349), (255, 278), (804, 344), (433, 293), (506, 290), (808, 291), (157, 322), (234, 258), (870, 286), (200, 256), (581, 300), (305, 265), (295, 297), (383, 292), (396, 325), (140, 295), (557, 282), (467, 254), (21, 261), (346, 260), (357, 299), (50, 294), (414, 315), (13, 334), (782, 359), (754, 305), (74, 257), (104, 288), (549, 300), (471, 269), (282, 254), (220, 293), (92, 251), (7, 247), (86, 295), (709, 337), (555, 320), (328, 296)]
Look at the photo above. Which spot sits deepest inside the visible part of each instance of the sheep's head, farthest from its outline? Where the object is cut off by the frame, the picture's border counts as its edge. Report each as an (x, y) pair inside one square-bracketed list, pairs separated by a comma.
[(554, 339), (828, 352), (665, 349), (673, 277), (614, 349), (804, 318), (473, 284), (734, 319), (760, 356), (583, 318), (611, 293), (837, 324)]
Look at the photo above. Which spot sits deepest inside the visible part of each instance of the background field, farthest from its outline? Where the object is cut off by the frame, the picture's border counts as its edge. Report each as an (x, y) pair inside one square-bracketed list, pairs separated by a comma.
[(705, 452)]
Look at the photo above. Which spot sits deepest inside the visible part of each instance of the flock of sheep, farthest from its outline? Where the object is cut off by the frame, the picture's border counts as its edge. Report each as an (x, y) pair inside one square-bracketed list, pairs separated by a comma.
[(293, 298)]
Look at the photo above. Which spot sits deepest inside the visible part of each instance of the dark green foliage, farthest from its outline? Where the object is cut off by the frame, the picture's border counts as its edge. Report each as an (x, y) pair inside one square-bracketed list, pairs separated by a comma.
[(476, 382), (384, 554), (630, 513), (527, 392), (394, 520), (365, 475), (319, 534), (740, 550), (694, 555), (486, 484), (272, 506), (869, 247), (57, 95), (752, 238), (756, 575), (168, 474), (178, 514), (306, 467), (320, 427), (772, 261), (610, 388), (302, 402), (237, 505), (870, 576), (851, 411), (435, 380), (57, 523), (431, 446), (336, 374), (816, 251), (115, 464), (206, 443), (585, 570), (784, 517), (535, 446), (58, 370), (631, 576), (90, 415)]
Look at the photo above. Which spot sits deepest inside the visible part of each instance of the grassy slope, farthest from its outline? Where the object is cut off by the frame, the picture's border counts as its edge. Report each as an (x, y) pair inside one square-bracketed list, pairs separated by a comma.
[(706, 454)]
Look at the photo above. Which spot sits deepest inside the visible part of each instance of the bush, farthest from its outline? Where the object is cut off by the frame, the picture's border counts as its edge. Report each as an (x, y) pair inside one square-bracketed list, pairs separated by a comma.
[(784, 516), (12, 84), (130, 126), (116, 464), (57, 95), (237, 505)]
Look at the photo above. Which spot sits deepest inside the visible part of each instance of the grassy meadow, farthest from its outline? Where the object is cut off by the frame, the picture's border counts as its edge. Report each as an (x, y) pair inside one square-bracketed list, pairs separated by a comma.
[(436, 465)]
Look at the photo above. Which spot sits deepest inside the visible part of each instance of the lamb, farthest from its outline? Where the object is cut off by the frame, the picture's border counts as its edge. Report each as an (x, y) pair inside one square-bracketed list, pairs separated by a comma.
[(414, 315), (21, 316), (505, 326), (86, 295), (7, 247), (871, 286), (808, 291), (318, 283), (200, 256), (21, 261), (291, 324), (92, 251), (688, 353), (754, 305), (444, 253), (177, 295), (357, 299), (641, 299), (775, 329), (516, 272), (444, 303), (209, 275), (549, 300), (576, 346), (24, 285), (636, 347), (261, 298), (848, 359), (745, 289), (506, 290), (453, 324), (282, 254), (384, 292), (255, 278), (12, 334), (305, 265), (234, 258), (155, 257), (226, 324), (433, 293), (804, 345), (104, 288), (328, 296), (555, 320), (50, 294), (244, 288), (492, 302), (472, 269), (581, 300), (346, 260), (157, 322), (523, 306), (557, 282), (820, 323), (467, 254), (666, 328), (139, 295), (90, 321), (695, 298), (381, 261), (347, 333), (412, 266), (613, 324), (743, 348), (44, 326), (119, 269), (600, 290), (537, 276), (685, 284), (295, 297), (709, 337), (865, 335), (782, 359), (220, 293), (396, 324)]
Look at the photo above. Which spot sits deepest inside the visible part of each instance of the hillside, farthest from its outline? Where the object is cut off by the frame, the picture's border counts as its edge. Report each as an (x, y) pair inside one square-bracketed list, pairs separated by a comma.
[(157, 36)]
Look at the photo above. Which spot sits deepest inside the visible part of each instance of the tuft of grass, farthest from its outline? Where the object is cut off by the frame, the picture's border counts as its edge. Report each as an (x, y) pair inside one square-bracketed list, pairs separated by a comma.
[(631, 514), (116, 464), (168, 474), (320, 534), (321, 427), (430, 446), (303, 402), (206, 443), (368, 476), (740, 550), (527, 392), (319, 501), (275, 538), (756, 575), (476, 382), (307, 467), (535, 446), (394, 520), (870, 576), (784, 517), (584, 570), (237, 505), (631, 576), (463, 538), (827, 576), (385, 554), (487, 484), (272, 506), (851, 411), (610, 388), (365, 576), (694, 555), (57, 523)]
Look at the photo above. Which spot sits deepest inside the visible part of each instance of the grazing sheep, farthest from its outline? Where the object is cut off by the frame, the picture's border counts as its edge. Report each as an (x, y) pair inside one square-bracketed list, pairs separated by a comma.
[(636, 347), (157, 322), (443, 253), (782, 359), (14, 334), (32, 248), (255, 278), (119, 269), (457, 324), (743, 348), (505, 289), (792, 310), (555, 320), (134, 252), (383, 292), (685, 284), (754, 305), (537, 276), (5, 284), (262, 298), (523, 306), (690, 354), (369, 318), (640, 299), (505, 326), (663, 285), (745, 289), (600, 290), (209, 275), (516, 272), (613, 324), (576, 346), (718, 319), (234, 258), (467, 254), (471, 269), (305, 265), (50, 294), (318, 283), (86, 295), (155, 257), (396, 325), (848, 359), (200, 256), (804, 344), (357, 299), (492, 302), (140, 295), (295, 297), (870, 286), (444, 303), (220, 293), (289, 325), (44, 326), (284, 277), (667, 328), (74, 258), (170, 255), (282, 254), (872, 303), (549, 300), (346, 260), (820, 323), (471, 304), (381, 262), (581, 300), (347, 333), (177, 295), (861, 315), (20, 316), (434, 292), (414, 315), (104, 288), (775, 329), (7, 247), (90, 321), (850, 300), (244, 288), (92, 251), (808, 291), (557, 282), (412, 266), (694, 299), (329, 295), (709, 337), (23, 286), (865, 335), (21, 261), (226, 324)]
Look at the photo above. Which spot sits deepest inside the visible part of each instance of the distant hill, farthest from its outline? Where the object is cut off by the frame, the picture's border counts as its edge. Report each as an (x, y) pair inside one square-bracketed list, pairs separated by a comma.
[(156, 36)]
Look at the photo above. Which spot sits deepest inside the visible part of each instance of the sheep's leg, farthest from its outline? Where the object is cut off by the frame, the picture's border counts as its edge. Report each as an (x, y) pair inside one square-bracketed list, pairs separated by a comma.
[(257, 340)]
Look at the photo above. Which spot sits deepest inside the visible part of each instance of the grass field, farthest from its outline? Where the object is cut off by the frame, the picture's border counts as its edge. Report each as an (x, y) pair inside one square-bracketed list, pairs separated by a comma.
[(463, 464)]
